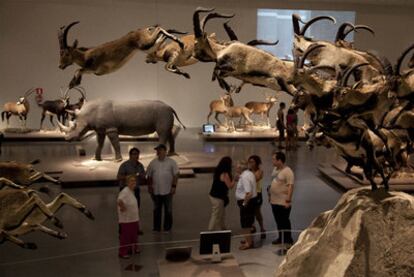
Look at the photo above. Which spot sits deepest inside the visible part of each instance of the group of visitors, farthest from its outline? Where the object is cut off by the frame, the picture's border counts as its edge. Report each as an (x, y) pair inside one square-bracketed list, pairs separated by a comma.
[(290, 125), (161, 178), (248, 193)]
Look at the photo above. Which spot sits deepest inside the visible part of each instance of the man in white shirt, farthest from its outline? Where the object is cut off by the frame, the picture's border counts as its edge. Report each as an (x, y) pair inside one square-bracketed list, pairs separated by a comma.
[(162, 173), (280, 197), (246, 200)]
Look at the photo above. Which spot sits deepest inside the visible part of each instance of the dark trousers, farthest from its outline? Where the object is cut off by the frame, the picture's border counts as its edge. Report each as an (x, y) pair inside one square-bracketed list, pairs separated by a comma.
[(281, 215), (159, 202)]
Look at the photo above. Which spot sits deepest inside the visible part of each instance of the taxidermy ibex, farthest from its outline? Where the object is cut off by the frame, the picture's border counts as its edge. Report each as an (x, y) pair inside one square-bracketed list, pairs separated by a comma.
[(110, 56), (20, 108), (241, 61)]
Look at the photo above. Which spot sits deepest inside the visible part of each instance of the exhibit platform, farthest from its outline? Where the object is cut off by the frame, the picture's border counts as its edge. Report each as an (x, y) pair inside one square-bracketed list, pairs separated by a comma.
[(17, 134), (337, 175), (86, 172), (256, 133)]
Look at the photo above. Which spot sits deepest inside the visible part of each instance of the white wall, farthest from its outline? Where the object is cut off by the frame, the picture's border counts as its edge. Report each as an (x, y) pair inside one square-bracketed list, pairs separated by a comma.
[(29, 50)]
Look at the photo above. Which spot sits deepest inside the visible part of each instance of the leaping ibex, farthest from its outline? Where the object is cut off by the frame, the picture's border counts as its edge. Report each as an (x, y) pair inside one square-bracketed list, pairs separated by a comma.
[(110, 56)]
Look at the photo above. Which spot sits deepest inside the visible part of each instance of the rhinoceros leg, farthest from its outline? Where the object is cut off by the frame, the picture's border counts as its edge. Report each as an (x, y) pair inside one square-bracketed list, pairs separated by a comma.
[(100, 138), (114, 138)]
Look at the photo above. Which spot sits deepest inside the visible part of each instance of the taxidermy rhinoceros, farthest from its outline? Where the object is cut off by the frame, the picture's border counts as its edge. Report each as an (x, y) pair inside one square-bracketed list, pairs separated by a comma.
[(113, 118)]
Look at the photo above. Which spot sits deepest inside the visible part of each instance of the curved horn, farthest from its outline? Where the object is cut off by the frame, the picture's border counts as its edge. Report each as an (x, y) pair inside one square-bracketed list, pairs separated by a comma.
[(401, 59), (357, 27), (348, 72), (295, 20), (81, 91), (28, 92), (341, 30), (214, 15), (65, 94), (174, 31), (261, 42), (232, 35), (315, 19), (307, 52), (196, 20), (63, 34)]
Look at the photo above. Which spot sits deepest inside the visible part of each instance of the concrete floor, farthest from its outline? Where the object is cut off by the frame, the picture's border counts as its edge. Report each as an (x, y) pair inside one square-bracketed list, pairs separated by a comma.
[(91, 248)]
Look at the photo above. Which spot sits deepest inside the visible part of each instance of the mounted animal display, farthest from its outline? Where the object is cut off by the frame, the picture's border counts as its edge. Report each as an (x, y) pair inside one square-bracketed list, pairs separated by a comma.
[(113, 118), (219, 106), (58, 107), (23, 211), (262, 108), (23, 173), (241, 61), (108, 57), (71, 108), (20, 108)]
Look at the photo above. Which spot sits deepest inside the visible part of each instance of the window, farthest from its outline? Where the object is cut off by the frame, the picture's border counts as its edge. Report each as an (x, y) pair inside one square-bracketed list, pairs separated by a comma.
[(275, 25)]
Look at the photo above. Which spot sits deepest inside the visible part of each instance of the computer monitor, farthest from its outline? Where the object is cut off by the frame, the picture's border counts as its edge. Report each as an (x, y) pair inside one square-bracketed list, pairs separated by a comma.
[(209, 128), (215, 243)]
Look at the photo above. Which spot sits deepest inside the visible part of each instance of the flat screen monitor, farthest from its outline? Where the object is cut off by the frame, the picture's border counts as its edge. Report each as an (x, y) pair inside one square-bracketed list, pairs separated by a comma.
[(209, 128), (210, 238)]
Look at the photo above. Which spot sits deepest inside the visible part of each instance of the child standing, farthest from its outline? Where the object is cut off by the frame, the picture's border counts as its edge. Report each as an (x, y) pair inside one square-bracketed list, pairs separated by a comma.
[(128, 218)]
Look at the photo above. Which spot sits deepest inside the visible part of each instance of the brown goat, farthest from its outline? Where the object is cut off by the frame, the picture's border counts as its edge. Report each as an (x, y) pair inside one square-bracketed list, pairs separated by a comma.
[(262, 108), (108, 57)]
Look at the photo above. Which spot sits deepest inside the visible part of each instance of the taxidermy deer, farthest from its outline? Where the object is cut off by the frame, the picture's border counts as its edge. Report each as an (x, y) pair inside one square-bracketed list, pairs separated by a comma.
[(108, 57), (219, 106), (262, 108), (20, 108)]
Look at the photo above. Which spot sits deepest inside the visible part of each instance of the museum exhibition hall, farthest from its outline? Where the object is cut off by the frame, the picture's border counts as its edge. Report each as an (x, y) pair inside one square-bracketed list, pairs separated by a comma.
[(207, 138)]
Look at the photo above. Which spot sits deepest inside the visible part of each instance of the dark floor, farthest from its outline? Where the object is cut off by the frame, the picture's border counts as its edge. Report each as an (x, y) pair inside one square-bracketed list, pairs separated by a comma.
[(91, 248)]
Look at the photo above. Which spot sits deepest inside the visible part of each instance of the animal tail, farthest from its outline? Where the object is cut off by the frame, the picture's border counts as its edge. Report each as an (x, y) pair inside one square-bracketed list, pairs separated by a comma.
[(176, 116), (2, 116)]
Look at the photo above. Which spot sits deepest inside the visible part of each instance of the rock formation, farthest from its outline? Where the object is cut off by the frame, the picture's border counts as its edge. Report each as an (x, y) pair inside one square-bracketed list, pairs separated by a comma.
[(368, 233)]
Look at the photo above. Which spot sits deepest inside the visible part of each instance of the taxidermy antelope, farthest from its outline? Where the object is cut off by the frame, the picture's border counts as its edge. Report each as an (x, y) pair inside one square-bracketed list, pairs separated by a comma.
[(219, 106), (108, 57), (20, 108), (262, 108), (71, 108), (54, 107), (23, 211), (241, 61)]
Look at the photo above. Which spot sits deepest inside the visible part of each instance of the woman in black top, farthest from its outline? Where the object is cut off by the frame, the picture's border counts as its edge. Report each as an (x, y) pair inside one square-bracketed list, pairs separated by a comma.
[(222, 182)]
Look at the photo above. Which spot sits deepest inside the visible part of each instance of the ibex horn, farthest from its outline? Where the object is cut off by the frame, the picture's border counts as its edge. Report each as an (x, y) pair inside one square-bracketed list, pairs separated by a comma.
[(64, 35), (348, 72), (196, 20), (357, 27), (313, 20), (401, 59), (232, 35), (341, 30), (261, 42), (214, 15), (28, 92), (307, 52)]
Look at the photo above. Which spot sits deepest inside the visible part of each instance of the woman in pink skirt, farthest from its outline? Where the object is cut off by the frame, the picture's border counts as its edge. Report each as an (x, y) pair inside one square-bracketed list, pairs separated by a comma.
[(128, 218)]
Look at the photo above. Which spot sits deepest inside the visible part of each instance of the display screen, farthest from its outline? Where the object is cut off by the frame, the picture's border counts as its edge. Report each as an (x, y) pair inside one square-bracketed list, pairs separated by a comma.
[(208, 128)]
